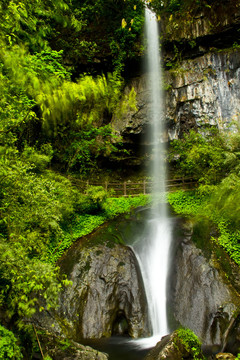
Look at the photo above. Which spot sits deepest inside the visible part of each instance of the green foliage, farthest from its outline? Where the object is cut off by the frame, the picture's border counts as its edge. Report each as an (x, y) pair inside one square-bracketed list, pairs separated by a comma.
[(69, 114), (205, 204), (97, 195), (85, 30), (215, 162), (84, 224), (115, 206), (173, 5), (27, 285), (202, 156), (187, 202), (190, 342), (32, 22), (52, 116), (105, 17), (225, 200), (60, 100), (46, 200), (177, 6), (230, 240), (81, 226), (87, 146), (9, 350), (34, 203)]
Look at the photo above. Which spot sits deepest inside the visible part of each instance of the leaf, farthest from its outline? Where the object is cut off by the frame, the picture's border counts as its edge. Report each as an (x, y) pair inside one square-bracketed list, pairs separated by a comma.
[(124, 23)]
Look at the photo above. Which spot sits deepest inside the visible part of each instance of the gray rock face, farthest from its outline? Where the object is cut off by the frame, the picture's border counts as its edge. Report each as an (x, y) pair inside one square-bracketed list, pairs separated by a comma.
[(202, 301), (134, 123), (203, 91), (106, 297)]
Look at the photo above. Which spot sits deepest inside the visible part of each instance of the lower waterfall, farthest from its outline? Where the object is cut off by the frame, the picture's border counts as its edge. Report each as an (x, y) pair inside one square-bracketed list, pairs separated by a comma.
[(152, 252)]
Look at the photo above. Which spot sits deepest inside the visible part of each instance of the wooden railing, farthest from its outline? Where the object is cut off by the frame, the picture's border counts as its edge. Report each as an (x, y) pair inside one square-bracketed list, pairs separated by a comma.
[(129, 188)]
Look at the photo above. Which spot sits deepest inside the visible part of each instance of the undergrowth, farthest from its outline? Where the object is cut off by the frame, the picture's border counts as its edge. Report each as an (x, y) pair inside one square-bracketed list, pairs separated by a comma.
[(84, 224), (198, 205)]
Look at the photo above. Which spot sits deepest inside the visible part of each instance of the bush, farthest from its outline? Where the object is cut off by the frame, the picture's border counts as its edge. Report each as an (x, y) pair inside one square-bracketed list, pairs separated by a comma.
[(97, 195), (9, 350)]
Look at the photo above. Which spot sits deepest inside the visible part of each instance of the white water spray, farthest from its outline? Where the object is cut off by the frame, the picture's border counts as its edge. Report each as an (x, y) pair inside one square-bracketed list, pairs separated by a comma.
[(152, 250)]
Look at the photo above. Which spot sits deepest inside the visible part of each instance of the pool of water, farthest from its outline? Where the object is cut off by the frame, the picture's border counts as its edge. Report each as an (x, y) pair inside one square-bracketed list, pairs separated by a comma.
[(120, 348)]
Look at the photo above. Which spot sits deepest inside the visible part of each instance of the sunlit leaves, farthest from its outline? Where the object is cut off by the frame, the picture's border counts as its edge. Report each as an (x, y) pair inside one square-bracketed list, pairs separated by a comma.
[(215, 162), (9, 350), (60, 100), (201, 156), (28, 284), (30, 22), (124, 23)]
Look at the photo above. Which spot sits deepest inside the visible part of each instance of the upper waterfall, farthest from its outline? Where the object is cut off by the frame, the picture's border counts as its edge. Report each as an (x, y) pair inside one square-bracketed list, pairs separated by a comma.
[(156, 113)]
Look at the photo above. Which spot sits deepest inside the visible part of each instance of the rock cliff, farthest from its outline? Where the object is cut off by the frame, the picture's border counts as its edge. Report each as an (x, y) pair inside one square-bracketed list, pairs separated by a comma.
[(201, 92), (201, 66), (202, 297)]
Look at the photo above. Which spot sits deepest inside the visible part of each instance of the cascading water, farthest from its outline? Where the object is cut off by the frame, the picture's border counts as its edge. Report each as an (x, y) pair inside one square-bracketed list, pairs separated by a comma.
[(152, 246), (152, 250)]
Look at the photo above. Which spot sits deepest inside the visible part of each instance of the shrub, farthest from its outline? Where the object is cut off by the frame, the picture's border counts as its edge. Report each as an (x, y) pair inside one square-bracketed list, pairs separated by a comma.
[(9, 350)]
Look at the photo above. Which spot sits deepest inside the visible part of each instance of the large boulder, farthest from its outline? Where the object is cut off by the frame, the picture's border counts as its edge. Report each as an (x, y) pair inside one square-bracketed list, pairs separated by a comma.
[(106, 296)]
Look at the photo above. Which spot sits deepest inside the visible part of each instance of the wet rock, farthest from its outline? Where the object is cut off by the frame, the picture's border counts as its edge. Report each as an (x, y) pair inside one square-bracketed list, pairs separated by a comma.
[(231, 341), (171, 348), (225, 356), (106, 296), (201, 297)]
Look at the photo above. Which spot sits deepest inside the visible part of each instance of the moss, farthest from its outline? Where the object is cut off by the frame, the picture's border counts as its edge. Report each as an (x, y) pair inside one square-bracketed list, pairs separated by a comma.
[(202, 230), (190, 342)]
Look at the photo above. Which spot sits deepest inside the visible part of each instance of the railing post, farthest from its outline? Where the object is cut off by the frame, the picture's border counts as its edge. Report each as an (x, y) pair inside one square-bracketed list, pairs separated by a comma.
[(106, 185), (125, 188), (144, 187)]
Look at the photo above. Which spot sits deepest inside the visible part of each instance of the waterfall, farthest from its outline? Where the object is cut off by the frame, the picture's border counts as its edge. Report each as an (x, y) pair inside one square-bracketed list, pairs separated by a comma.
[(152, 249)]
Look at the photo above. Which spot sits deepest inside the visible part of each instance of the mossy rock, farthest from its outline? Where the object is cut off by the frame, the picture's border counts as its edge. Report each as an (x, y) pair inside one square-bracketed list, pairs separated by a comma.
[(60, 348), (181, 344)]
